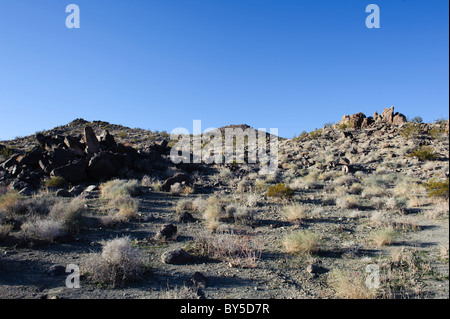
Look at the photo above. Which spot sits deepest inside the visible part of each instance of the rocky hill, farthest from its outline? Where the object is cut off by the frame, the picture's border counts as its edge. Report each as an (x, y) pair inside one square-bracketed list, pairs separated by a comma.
[(366, 191)]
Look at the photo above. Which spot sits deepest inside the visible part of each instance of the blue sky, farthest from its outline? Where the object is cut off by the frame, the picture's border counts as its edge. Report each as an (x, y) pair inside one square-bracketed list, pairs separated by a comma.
[(160, 64)]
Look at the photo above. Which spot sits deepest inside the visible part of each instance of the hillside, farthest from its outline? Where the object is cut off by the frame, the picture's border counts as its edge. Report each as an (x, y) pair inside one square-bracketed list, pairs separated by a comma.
[(367, 191)]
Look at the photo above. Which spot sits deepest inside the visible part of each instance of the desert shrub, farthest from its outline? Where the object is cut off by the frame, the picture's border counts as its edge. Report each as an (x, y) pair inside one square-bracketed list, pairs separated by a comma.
[(303, 242), (437, 131), (46, 230), (260, 185), (176, 189), (4, 231), (424, 153), (416, 120), (437, 188), (350, 285), (245, 216), (117, 264), (123, 208), (280, 190), (315, 134), (409, 130), (185, 205), (294, 213), (69, 214), (9, 200), (34, 206), (6, 152), (56, 181), (243, 186), (348, 202), (238, 250), (383, 237), (118, 187)]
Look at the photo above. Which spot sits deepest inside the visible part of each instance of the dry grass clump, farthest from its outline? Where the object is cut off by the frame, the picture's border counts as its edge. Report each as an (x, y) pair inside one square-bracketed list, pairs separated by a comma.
[(404, 273), (294, 213), (69, 214), (350, 285), (383, 237), (9, 200), (303, 242), (119, 187), (383, 219), (46, 230), (4, 231), (117, 264), (348, 202), (183, 292), (123, 208), (237, 249)]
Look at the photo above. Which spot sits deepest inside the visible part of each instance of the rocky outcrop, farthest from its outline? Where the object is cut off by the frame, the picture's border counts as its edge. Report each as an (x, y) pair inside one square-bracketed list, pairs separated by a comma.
[(359, 120), (79, 159), (389, 117)]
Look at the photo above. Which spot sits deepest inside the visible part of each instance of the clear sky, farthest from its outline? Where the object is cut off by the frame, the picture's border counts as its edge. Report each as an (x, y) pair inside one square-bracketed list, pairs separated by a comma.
[(160, 64)]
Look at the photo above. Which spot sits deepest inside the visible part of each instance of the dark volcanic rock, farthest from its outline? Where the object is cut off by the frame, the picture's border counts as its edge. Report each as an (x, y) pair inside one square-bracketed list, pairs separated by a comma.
[(104, 166), (91, 141), (167, 232), (177, 257), (73, 173)]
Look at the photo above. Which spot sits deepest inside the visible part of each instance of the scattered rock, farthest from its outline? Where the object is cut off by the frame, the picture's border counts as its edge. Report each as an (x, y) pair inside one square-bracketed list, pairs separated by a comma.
[(181, 178), (199, 280), (63, 193), (55, 270), (167, 232), (186, 217), (177, 257)]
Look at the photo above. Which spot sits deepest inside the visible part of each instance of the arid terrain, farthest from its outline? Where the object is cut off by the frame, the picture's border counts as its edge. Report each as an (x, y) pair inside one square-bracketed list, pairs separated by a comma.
[(357, 209)]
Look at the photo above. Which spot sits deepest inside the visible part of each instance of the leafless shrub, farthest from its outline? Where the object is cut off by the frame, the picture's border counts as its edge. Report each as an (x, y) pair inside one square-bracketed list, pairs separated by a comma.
[(117, 264)]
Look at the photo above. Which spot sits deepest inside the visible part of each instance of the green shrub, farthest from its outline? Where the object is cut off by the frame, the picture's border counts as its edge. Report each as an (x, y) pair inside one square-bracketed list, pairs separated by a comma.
[(437, 188), (56, 181), (6, 152), (315, 134), (410, 130), (280, 190), (437, 132), (424, 153)]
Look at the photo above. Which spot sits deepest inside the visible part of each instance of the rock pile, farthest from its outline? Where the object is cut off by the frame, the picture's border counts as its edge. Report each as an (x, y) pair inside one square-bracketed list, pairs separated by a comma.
[(77, 159), (359, 120)]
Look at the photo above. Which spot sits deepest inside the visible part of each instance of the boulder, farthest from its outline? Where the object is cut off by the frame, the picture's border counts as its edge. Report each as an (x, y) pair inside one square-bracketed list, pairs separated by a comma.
[(107, 140), (176, 257), (30, 159), (74, 172), (104, 166), (186, 217), (74, 145), (354, 121), (167, 232), (399, 119), (91, 141), (11, 161)]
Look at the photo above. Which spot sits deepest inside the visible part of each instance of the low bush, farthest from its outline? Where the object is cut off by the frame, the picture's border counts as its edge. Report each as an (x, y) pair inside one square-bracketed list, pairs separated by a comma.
[(117, 264), (424, 153), (280, 190), (437, 188)]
